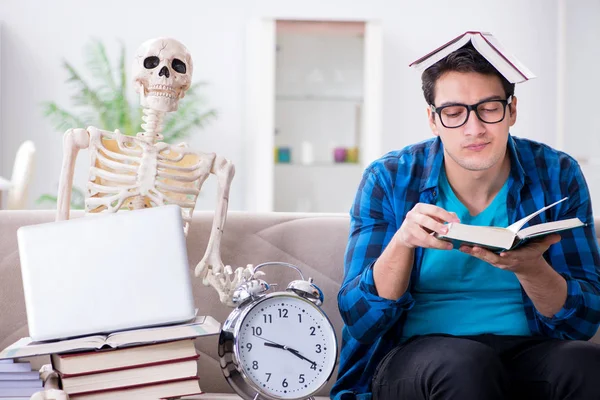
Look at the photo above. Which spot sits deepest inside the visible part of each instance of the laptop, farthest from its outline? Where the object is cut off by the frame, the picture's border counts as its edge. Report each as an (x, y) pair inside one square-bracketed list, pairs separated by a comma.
[(105, 272)]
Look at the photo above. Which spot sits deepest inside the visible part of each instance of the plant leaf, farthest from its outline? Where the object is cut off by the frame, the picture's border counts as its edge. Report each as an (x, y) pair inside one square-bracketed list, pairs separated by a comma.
[(121, 98), (60, 118), (184, 129), (85, 96), (77, 199), (46, 198), (99, 65)]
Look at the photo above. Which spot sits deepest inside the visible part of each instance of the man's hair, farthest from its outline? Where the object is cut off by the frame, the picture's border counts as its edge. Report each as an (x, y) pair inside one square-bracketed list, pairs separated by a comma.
[(465, 59)]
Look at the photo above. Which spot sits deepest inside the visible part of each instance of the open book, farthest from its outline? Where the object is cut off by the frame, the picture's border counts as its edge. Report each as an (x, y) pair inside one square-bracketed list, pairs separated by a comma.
[(200, 326), (489, 47), (500, 239)]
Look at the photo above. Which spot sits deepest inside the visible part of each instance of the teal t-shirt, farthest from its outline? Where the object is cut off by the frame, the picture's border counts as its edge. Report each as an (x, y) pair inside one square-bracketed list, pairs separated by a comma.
[(458, 294)]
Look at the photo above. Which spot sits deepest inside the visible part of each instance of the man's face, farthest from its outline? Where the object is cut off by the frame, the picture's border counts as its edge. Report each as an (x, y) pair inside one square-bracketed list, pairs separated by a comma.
[(474, 146)]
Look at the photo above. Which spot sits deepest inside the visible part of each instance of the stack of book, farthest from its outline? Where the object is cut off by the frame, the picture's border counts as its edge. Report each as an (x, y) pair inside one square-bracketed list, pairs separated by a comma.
[(17, 380), (151, 363), (152, 371)]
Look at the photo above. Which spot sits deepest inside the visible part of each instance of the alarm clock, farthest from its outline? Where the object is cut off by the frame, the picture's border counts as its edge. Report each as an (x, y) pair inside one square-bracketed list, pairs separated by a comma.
[(277, 345)]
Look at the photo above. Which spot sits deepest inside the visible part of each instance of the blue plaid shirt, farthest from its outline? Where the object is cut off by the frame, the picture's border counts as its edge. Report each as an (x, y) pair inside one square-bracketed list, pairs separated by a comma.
[(394, 184)]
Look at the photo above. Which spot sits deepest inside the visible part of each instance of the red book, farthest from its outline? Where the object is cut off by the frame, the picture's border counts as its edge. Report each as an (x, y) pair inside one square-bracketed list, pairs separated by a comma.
[(75, 364), (182, 387), (131, 377)]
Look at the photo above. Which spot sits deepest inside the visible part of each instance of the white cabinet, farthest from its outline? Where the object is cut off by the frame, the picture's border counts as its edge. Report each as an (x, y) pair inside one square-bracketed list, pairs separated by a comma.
[(313, 95)]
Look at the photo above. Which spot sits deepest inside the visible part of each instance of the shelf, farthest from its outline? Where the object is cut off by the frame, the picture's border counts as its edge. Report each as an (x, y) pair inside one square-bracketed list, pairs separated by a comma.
[(343, 99), (320, 164)]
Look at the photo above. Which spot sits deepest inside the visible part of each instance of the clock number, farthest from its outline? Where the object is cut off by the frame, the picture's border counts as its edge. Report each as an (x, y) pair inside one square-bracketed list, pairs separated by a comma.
[(318, 348), (300, 318), (249, 346), (284, 383), (254, 364), (313, 366), (301, 378), (283, 312), (312, 331), (268, 376), (256, 330), (268, 318)]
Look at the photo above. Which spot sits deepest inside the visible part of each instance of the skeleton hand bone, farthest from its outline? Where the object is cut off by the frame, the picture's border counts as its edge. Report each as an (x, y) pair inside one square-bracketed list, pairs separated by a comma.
[(223, 279), (51, 391), (50, 394), (211, 263)]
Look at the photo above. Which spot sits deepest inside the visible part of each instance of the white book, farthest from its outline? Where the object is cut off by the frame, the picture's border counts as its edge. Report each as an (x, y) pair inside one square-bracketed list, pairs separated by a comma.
[(19, 376), (501, 239), (18, 392), (200, 326), (15, 367), (31, 383), (489, 47)]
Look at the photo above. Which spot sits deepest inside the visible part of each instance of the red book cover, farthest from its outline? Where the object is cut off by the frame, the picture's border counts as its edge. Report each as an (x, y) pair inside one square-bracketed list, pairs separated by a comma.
[(131, 387)]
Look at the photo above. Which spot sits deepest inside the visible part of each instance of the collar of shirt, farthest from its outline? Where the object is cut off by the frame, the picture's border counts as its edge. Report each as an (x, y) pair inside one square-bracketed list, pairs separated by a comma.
[(435, 159)]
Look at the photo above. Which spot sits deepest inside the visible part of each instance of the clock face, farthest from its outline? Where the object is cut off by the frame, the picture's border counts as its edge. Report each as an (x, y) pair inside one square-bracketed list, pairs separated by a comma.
[(286, 347)]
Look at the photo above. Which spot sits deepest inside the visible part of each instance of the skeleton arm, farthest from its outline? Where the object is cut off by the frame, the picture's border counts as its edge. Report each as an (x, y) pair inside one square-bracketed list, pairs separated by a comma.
[(211, 268), (73, 141), (224, 171)]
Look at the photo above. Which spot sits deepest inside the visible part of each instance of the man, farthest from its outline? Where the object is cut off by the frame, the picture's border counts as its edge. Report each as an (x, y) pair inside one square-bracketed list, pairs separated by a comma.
[(426, 321)]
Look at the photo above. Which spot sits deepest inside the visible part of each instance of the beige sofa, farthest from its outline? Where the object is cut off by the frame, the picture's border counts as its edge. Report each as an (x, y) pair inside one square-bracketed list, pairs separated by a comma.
[(314, 242)]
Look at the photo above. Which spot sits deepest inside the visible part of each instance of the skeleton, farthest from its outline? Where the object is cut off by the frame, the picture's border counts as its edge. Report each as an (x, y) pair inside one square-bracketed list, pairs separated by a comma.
[(142, 171), (51, 385)]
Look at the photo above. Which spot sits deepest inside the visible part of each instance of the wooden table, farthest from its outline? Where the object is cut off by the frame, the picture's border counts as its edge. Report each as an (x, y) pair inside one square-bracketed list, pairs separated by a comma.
[(5, 184)]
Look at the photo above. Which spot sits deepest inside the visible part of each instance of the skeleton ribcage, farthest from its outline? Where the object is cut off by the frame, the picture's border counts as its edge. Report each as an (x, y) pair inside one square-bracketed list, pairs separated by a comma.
[(127, 172)]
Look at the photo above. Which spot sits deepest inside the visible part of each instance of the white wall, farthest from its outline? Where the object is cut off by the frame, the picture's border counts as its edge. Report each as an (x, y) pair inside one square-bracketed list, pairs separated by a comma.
[(581, 87), (37, 35)]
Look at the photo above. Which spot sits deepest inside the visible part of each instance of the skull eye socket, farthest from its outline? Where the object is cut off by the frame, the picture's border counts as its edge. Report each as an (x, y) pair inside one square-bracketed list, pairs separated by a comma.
[(179, 66), (151, 62)]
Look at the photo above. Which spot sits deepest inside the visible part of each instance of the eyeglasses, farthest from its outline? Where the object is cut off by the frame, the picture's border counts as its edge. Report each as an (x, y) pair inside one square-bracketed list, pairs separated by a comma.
[(456, 115)]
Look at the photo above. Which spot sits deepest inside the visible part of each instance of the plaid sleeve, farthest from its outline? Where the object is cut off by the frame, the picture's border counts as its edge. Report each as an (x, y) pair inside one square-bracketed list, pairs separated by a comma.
[(576, 258), (372, 226)]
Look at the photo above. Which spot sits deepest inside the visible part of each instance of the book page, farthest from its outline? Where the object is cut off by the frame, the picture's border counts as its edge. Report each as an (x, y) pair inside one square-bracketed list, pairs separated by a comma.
[(518, 65), (200, 326), (516, 227), (484, 236), (550, 227)]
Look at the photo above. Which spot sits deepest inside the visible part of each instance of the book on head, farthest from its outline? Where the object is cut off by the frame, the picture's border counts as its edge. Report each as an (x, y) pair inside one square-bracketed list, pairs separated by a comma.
[(489, 47), (503, 239), (200, 326)]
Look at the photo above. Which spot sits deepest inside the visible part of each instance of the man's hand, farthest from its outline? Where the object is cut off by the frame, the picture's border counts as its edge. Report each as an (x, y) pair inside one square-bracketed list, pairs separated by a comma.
[(420, 223), (522, 260)]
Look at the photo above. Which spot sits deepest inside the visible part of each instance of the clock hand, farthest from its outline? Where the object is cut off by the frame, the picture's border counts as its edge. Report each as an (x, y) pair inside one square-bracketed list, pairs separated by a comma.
[(293, 351), (278, 346), (270, 343), (297, 354)]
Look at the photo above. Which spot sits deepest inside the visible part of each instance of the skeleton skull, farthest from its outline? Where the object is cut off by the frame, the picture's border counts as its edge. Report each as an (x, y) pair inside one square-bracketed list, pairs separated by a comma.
[(162, 72)]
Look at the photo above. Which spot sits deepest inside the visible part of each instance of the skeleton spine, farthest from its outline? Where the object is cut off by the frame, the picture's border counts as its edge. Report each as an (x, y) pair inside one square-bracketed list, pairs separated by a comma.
[(153, 125)]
